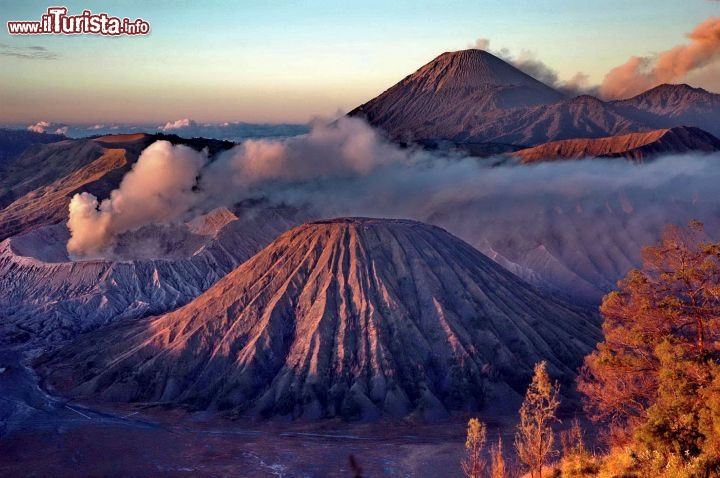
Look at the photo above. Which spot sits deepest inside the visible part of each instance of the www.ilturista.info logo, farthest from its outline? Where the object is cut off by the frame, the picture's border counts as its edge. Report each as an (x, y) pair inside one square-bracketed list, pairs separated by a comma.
[(57, 22)]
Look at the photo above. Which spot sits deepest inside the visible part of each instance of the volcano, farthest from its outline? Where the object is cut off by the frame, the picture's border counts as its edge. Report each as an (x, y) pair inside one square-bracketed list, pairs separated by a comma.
[(448, 97), (36, 186), (478, 103), (355, 318)]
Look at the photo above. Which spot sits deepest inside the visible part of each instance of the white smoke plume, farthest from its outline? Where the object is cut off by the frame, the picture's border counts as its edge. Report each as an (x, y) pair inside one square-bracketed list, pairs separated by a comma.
[(347, 147), (163, 185), (571, 211), (158, 189), (528, 62), (639, 74), (481, 44)]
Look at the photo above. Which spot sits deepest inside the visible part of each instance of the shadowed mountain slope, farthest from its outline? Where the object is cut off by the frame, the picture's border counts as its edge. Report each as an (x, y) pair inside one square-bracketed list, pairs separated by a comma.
[(15, 141)]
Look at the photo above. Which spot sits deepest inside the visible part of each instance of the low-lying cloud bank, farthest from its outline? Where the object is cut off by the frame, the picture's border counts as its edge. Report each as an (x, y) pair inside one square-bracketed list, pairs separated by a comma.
[(346, 168), (232, 131), (48, 127)]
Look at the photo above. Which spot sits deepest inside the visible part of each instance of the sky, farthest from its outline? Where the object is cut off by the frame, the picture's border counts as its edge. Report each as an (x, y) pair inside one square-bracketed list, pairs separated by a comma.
[(290, 61)]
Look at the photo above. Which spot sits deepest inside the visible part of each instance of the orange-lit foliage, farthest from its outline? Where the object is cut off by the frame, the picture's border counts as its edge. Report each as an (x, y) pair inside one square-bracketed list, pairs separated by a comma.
[(675, 299), (474, 464), (534, 438), (497, 460)]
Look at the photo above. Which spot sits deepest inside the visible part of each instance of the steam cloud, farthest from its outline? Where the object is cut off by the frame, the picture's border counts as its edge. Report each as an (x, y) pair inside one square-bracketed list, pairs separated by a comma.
[(346, 169), (641, 73), (348, 147), (158, 189), (529, 63), (481, 44), (682, 63), (164, 184)]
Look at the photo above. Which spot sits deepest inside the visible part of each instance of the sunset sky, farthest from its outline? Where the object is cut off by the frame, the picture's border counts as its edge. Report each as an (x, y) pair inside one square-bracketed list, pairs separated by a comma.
[(287, 61)]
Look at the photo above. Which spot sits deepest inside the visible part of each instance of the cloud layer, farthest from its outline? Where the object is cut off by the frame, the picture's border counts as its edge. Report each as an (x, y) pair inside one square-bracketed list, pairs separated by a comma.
[(345, 168), (178, 124), (27, 52), (187, 128)]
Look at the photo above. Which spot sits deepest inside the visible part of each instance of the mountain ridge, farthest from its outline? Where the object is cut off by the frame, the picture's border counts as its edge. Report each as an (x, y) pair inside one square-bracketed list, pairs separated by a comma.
[(669, 105), (633, 146)]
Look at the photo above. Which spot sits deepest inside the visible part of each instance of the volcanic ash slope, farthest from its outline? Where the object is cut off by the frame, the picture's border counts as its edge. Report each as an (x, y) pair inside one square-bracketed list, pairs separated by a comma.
[(355, 318)]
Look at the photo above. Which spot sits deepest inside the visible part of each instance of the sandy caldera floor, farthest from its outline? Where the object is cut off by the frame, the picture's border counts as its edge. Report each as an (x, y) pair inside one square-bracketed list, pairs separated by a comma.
[(82, 441), (44, 435)]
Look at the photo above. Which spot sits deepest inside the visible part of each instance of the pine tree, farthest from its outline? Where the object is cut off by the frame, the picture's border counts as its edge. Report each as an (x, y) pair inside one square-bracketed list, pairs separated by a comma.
[(535, 438), (674, 299), (474, 464), (656, 376)]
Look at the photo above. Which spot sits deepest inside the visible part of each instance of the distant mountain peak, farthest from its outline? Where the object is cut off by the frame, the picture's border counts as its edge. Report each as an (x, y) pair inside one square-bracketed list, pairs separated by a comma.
[(469, 55), (670, 105), (672, 93), (469, 52), (478, 102), (472, 68), (674, 87), (452, 94)]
